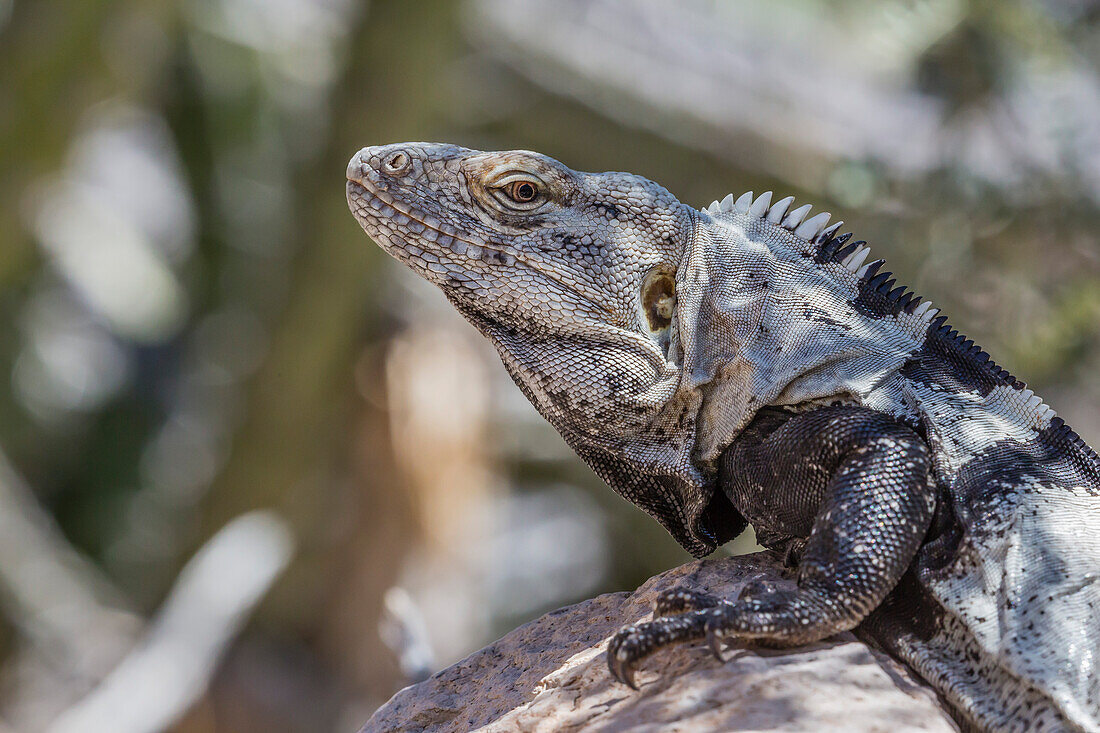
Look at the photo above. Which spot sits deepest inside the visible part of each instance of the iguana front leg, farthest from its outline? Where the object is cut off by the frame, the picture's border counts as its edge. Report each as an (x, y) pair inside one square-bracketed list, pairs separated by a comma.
[(853, 484)]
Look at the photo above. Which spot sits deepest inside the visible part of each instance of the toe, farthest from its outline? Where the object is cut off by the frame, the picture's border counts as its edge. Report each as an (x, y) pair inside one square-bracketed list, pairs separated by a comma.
[(716, 638), (681, 600), (622, 670), (622, 657)]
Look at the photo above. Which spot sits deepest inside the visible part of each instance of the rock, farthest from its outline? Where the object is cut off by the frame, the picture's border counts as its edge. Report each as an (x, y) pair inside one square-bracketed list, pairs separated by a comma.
[(551, 675)]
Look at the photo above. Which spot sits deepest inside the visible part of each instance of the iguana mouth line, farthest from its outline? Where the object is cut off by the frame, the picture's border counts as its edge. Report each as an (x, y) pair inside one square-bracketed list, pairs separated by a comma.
[(431, 224)]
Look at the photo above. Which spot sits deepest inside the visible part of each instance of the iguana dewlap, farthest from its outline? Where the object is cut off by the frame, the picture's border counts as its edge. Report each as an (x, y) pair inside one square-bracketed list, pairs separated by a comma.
[(747, 364)]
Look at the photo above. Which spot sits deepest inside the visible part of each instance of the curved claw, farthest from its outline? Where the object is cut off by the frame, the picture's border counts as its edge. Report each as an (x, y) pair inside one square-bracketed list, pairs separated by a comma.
[(621, 670), (620, 662), (716, 643)]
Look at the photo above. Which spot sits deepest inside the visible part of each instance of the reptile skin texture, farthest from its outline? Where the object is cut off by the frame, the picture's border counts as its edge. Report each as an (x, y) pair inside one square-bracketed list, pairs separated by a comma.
[(748, 364)]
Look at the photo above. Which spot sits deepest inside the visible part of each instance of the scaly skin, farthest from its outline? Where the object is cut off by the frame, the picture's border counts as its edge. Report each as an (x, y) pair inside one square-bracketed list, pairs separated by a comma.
[(746, 364)]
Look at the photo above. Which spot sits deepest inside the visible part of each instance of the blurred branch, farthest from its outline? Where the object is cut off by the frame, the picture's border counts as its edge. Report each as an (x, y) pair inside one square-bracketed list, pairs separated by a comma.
[(57, 65), (55, 596), (209, 603), (72, 616)]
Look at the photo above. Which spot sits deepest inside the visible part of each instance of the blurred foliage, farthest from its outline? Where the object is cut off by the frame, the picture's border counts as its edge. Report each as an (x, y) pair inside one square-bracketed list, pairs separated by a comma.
[(193, 326)]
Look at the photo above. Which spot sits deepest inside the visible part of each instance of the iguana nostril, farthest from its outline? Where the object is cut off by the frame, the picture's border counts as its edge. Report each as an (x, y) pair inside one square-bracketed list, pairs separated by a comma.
[(357, 167), (396, 163)]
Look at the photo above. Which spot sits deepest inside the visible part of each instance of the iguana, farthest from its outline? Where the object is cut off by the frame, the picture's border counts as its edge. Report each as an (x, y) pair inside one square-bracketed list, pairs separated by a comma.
[(745, 363)]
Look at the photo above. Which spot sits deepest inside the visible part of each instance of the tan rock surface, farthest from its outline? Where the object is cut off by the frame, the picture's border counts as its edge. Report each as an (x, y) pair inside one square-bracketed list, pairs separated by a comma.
[(551, 675)]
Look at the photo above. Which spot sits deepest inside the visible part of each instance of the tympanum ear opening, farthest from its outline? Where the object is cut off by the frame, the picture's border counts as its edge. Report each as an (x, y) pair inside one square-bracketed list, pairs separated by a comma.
[(658, 302), (659, 298)]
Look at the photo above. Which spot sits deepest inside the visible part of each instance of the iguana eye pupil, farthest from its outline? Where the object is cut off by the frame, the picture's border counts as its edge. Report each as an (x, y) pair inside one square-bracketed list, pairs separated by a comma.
[(523, 192)]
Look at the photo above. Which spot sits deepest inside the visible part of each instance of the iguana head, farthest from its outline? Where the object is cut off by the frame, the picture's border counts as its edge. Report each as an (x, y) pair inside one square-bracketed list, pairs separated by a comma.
[(646, 331), (572, 276), (523, 242)]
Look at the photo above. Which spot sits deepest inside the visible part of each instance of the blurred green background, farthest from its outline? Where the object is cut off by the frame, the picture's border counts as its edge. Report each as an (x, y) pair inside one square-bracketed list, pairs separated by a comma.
[(255, 476)]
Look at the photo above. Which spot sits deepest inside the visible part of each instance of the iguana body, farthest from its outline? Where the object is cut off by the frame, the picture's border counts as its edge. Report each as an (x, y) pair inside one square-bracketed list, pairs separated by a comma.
[(743, 364)]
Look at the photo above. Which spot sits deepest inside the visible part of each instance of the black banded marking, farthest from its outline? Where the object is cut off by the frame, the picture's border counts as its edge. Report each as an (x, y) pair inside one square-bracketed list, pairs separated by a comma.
[(947, 358)]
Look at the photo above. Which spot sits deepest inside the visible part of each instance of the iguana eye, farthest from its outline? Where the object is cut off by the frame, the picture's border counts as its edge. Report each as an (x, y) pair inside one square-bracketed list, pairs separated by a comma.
[(519, 192)]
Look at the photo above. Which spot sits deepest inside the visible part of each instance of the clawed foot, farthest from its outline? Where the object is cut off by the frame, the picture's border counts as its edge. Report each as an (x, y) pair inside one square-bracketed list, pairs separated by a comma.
[(634, 643), (680, 615)]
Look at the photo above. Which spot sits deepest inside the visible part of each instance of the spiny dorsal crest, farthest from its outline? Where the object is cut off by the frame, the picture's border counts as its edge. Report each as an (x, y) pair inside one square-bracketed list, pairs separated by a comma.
[(833, 247)]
